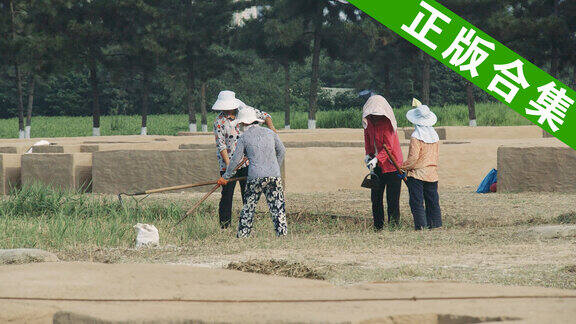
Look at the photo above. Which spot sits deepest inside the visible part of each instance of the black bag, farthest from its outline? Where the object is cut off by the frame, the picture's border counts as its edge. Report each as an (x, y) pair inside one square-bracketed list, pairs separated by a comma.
[(371, 181)]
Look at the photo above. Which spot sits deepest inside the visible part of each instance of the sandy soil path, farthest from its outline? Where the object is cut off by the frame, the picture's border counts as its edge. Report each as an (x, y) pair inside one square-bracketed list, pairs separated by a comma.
[(229, 296)]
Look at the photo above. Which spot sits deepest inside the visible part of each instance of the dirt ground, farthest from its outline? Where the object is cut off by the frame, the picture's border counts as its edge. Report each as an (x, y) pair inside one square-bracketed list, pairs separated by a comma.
[(171, 292), (491, 246)]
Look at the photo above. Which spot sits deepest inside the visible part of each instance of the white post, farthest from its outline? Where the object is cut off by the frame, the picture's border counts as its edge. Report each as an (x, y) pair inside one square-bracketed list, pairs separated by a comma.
[(286, 126), (192, 128), (143, 131), (204, 128), (21, 134), (311, 124), (27, 131), (473, 123), (95, 131)]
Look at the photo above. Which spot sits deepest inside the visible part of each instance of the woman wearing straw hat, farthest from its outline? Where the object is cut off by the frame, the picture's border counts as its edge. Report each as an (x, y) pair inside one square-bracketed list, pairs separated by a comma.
[(226, 133), (422, 165), (265, 152), (380, 129)]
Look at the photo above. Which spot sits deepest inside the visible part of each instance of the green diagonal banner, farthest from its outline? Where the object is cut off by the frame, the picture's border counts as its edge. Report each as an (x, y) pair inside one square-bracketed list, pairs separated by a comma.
[(481, 59)]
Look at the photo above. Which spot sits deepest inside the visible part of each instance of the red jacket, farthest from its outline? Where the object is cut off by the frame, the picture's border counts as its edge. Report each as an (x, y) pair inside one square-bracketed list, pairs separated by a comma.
[(376, 135)]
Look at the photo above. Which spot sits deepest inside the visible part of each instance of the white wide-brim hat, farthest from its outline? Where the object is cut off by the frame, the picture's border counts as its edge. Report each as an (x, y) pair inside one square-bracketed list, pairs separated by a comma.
[(227, 101), (247, 115), (421, 115)]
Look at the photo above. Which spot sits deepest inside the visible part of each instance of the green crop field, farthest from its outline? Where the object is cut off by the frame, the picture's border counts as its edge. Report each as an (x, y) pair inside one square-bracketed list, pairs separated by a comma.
[(489, 114)]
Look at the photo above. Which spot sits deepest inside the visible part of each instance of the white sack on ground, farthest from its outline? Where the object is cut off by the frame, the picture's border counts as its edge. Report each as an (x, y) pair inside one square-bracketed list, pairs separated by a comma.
[(146, 235)]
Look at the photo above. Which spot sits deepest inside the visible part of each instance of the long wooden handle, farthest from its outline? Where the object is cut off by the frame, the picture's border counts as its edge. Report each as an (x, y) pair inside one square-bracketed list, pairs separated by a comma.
[(193, 209), (391, 157), (187, 186)]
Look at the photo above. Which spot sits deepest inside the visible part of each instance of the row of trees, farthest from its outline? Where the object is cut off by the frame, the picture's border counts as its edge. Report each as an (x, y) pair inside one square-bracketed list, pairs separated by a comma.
[(142, 56)]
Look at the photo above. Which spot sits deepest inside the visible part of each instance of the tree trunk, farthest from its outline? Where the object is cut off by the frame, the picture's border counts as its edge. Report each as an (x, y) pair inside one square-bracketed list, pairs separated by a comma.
[(190, 98), (21, 132), (204, 120), (145, 97), (94, 84), (286, 66), (315, 72), (426, 79), (471, 104), (31, 85)]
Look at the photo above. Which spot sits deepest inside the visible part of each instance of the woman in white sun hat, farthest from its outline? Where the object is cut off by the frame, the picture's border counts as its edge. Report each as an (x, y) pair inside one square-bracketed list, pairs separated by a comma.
[(265, 151), (226, 133), (421, 165)]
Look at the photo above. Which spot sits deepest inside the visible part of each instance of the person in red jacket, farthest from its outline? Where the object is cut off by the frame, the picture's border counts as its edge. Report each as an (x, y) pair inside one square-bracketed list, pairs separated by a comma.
[(380, 128)]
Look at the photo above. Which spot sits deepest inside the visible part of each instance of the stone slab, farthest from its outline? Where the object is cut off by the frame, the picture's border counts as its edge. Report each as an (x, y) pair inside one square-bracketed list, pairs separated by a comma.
[(60, 170), (138, 170), (440, 130), (537, 169), (21, 256), (9, 172)]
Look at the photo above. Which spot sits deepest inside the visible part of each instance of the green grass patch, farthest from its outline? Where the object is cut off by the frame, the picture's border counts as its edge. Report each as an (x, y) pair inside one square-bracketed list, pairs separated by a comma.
[(489, 114)]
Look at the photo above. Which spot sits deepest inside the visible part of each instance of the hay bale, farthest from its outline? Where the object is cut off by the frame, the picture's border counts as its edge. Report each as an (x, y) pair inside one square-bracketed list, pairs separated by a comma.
[(60, 170), (193, 146), (9, 149), (56, 149), (277, 268), (194, 133), (20, 256), (322, 144), (537, 169), (137, 170), (89, 148), (440, 130), (9, 172)]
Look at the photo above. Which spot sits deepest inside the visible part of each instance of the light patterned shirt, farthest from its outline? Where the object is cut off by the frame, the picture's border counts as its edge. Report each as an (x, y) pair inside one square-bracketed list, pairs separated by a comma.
[(422, 161), (227, 135)]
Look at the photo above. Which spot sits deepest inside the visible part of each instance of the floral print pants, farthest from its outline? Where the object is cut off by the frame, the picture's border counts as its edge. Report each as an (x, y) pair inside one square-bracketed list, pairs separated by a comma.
[(274, 192)]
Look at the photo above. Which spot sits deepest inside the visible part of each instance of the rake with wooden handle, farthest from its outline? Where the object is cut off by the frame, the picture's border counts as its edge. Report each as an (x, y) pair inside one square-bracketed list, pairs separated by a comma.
[(393, 160), (181, 187), (193, 209)]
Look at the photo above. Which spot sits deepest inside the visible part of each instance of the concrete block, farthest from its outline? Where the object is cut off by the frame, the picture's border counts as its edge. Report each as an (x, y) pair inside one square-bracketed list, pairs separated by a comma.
[(60, 170), (537, 169), (9, 172), (440, 130), (137, 170)]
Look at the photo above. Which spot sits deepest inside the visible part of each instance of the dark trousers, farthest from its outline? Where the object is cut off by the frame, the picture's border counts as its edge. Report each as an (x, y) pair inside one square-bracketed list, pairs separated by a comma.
[(422, 192), (391, 183), (225, 207)]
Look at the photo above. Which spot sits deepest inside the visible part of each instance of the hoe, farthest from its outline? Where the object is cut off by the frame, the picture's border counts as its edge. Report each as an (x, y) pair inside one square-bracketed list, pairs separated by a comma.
[(180, 187)]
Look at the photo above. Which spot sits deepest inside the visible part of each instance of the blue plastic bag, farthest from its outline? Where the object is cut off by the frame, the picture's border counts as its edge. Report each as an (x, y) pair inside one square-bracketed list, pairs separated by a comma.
[(490, 179)]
